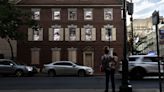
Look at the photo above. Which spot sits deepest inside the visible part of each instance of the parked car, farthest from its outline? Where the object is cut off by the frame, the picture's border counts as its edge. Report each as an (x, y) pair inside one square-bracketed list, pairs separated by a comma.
[(66, 68), (143, 65), (9, 67)]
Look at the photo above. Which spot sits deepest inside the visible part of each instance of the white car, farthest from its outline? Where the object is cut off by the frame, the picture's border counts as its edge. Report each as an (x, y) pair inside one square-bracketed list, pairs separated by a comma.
[(143, 65), (66, 68)]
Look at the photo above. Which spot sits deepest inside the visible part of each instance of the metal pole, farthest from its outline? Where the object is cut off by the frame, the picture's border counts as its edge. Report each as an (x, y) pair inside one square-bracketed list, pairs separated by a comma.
[(159, 69), (131, 19), (125, 86)]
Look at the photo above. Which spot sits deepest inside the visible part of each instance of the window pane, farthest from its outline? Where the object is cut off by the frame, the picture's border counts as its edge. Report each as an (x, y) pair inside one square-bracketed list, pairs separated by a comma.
[(56, 14), (35, 35), (108, 33), (72, 14), (72, 34), (56, 35), (36, 14), (108, 14), (88, 14), (88, 34)]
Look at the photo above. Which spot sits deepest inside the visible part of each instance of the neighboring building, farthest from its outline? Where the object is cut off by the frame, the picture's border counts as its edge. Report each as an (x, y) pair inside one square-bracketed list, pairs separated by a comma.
[(143, 28), (74, 30)]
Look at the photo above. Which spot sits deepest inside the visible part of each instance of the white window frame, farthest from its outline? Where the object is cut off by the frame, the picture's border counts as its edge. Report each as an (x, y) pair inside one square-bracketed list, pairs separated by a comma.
[(108, 14), (104, 33), (56, 11), (74, 14), (88, 14), (59, 28), (35, 16)]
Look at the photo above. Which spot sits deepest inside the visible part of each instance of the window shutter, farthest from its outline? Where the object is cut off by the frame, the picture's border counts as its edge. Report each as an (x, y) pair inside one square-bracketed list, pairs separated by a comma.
[(77, 34), (113, 34), (93, 34), (50, 36), (61, 34), (103, 34), (83, 34), (41, 34), (66, 34), (30, 34)]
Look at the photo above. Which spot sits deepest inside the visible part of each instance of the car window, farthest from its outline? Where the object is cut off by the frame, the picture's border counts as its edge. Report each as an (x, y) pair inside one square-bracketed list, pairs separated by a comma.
[(5, 63), (150, 59), (63, 63), (133, 58)]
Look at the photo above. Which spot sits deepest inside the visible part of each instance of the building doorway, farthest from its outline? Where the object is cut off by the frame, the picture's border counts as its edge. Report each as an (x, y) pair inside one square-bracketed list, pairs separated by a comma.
[(88, 58)]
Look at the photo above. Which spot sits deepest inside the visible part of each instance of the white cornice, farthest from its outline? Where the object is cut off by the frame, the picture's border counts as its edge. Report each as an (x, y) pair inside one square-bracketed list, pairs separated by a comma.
[(69, 5)]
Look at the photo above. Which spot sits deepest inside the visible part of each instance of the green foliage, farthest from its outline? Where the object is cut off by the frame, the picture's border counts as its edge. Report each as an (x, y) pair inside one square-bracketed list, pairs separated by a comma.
[(11, 18)]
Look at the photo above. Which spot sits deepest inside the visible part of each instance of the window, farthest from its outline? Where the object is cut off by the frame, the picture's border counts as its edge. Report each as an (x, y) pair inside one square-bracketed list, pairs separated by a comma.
[(72, 33), (55, 54), (63, 64), (72, 54), (108, 14), (88, 33), (72, 14), (55, 14), (88, 14), (36, 14), (55, 33), (35, 35), (108, 33)]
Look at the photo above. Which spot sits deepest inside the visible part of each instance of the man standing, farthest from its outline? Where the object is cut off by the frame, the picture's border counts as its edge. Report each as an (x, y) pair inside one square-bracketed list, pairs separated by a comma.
[(108, 65)]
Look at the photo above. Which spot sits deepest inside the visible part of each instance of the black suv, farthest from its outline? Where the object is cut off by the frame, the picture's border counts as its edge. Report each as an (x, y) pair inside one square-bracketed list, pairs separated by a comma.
[(9, 67)]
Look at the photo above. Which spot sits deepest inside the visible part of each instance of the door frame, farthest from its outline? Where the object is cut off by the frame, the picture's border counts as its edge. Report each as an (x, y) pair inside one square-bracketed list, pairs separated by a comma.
[(84, 57)]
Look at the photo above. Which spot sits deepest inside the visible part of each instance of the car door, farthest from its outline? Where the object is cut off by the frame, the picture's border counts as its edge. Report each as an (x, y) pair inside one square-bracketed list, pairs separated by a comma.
[(69, 68), (7, 67), (150, 64), (58, 68)]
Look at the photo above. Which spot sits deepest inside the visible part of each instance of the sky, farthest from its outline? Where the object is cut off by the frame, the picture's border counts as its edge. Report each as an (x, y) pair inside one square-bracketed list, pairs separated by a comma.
[(145, 8)]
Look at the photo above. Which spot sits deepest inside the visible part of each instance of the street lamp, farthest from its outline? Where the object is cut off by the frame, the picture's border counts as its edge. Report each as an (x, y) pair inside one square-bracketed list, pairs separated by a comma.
[(155, 21), (125, 87)]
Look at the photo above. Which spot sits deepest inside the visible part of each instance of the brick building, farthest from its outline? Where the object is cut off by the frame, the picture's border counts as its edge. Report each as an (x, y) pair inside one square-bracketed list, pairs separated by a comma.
[(74, 30)]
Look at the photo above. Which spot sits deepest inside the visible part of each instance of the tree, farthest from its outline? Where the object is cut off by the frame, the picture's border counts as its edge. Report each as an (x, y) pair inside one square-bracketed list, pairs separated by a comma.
[(136, 42), (11, 18)]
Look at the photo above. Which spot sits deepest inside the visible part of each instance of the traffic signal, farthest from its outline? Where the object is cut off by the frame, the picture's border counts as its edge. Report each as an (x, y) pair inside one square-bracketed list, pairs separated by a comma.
[(130, 8)]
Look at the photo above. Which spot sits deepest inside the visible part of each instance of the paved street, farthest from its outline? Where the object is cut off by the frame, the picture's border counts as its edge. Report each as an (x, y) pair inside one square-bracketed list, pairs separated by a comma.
[(70, 84)]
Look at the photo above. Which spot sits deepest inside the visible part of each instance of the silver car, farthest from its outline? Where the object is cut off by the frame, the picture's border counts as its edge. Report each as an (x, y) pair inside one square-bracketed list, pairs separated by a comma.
[(9, 67), (66, 68)]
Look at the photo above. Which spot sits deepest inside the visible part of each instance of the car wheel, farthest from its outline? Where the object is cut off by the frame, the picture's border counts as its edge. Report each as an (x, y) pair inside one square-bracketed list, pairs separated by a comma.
[(19, 73), (81, 73), (51, 73), (137, 74)]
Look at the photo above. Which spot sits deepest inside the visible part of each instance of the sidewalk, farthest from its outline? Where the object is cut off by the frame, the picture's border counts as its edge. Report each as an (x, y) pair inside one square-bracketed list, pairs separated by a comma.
[(77, 90)]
